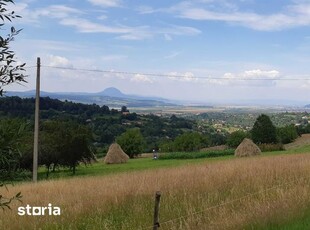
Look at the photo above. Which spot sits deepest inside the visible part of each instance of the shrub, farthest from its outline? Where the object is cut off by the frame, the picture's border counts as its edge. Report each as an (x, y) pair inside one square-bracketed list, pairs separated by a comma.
[(190, 141), (236, 138), (196, 155), (287, 134), (271, 147), (132, 142)]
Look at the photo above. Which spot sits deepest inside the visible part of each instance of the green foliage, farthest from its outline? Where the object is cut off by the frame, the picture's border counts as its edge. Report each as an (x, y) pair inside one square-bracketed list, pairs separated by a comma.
[(190, 141), (132, 142), (264, 131), (271, 147), (66, 144), (124, 109), (196, 155), (287, 134), (236, 138), (12, 133), (5, 201), (302, 129), (166, 146), (9, 72), (50, 108), (186, 142)]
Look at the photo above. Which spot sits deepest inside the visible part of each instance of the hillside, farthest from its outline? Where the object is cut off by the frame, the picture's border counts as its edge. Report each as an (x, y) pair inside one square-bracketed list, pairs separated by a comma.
[(105, 123), (299, 142), (111, 97)]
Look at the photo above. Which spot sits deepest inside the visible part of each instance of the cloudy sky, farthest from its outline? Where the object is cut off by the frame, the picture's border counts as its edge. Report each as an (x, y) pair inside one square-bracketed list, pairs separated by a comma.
[(204, 50)]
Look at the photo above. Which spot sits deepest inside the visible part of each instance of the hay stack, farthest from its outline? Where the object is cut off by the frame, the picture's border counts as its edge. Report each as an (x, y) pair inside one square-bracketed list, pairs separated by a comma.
[(247, 148), (115, 155)]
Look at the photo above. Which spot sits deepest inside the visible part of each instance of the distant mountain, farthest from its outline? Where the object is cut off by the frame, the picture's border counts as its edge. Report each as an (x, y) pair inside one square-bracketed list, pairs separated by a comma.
[(111, 97), (112, 92), (307, 106)]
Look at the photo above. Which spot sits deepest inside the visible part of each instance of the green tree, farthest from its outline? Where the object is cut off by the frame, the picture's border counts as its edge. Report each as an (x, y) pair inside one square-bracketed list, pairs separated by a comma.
[(124, 109), (287, 134), (9, 73), (78, 148), (235, 138), (65, 143), (11, 135), (12, 132), (132, 142), (190, 141), (264, 132)]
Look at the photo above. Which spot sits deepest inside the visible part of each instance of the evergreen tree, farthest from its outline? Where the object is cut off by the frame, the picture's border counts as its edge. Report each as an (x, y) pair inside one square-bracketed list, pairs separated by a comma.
[(264, 131)]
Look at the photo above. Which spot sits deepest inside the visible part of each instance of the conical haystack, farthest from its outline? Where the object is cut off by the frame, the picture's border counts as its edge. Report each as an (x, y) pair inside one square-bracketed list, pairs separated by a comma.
[(247, 148), (115, 155)]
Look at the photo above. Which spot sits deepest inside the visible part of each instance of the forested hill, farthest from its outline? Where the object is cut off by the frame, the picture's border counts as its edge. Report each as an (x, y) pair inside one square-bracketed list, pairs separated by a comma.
[(24, 107), (106, 124)]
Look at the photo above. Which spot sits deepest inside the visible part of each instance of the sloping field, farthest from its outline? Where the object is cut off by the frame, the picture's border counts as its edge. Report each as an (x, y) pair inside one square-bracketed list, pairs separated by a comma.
[(248, 193), (299, 142)]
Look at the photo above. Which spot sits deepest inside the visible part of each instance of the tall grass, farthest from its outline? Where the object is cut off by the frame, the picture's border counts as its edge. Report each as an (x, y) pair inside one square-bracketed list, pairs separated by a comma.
[(193, 197)]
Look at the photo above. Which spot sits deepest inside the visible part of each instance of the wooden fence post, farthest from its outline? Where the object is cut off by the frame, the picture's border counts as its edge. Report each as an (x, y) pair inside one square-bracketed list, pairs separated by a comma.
[(156, 211)]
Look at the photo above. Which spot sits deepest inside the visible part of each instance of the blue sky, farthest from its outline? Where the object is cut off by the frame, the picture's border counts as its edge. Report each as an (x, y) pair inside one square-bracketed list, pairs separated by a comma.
[(214, 46)]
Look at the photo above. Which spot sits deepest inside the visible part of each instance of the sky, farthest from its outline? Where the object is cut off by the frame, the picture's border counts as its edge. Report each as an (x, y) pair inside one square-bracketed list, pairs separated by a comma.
[(200, 50)]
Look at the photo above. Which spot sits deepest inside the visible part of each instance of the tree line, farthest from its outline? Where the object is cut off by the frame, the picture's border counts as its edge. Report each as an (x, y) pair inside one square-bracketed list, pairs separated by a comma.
[(265, 132)]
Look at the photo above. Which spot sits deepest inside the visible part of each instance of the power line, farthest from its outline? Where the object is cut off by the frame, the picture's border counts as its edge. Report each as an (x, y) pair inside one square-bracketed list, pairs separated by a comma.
[(171, 76)]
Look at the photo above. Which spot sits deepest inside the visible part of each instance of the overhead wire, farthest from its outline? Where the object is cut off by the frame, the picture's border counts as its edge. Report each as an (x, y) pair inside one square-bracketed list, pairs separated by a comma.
[(171, 76)]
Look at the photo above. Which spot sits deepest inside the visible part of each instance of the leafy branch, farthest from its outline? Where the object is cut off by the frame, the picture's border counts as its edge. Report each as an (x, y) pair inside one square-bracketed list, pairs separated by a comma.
[(5, 202), (10, 71)]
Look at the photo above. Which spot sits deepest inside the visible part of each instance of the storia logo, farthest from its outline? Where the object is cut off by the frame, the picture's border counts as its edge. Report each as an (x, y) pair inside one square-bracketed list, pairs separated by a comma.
[(39, 211)]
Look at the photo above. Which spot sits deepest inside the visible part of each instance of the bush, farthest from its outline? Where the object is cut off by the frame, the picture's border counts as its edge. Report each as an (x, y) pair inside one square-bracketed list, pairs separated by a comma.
[(302, 129), (271, 147), (287, 134), (236, 138), (132, 142), (196, 155), (190, 141)]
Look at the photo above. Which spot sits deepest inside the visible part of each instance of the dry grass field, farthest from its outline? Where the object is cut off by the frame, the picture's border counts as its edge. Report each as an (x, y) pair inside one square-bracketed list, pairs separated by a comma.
[(246, 193)]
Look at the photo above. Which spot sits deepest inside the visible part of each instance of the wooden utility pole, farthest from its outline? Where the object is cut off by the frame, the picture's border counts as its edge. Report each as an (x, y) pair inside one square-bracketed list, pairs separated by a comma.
[(36, 126), (156, 211)]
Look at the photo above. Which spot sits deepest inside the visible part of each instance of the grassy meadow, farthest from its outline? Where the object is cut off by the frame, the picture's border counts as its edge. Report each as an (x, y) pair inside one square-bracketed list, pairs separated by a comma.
[(265, 192)]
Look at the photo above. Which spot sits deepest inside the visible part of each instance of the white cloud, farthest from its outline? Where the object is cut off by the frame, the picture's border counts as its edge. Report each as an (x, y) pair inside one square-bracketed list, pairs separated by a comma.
[(146, 32), (178, 30), (168, 37), (58, 11), (185, 77), (86, 26), (58, 61), (145, 10), (172, 55), (141, 78), (256, 78), (257, 73), (106, 3), (295, 15), (73, 17)]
